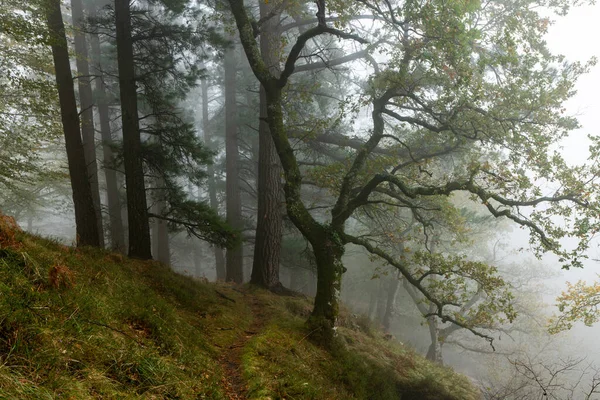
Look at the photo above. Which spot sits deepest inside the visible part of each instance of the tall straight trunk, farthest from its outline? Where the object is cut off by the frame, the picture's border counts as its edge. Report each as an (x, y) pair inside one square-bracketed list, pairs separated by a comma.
[(269, 225), (162, 248), (392, 289), (85, 215), (87, 111), (137, 209), (212, 189), (372, 304), (197, 259), (115, 225), (235, 257), (381, 301)]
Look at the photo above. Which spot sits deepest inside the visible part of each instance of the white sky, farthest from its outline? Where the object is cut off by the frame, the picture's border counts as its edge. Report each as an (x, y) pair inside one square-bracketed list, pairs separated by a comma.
[(576, 37)]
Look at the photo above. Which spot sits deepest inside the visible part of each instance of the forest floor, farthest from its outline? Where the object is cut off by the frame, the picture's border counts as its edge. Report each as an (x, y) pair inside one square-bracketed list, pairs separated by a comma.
[(231, 360), (85, 323)]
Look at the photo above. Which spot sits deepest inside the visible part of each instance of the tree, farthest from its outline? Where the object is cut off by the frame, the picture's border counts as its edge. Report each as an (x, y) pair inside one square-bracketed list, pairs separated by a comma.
[(579, 303), (269, 224), (85, 215), (30, 120), (87, 113), (234, 261), (137, 209), (115, 221), (212, 190), (454, 83)]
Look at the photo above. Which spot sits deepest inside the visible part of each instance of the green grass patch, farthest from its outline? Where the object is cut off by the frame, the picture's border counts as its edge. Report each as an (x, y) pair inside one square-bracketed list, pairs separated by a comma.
[(282, 363), (87, 323), (111, 328)]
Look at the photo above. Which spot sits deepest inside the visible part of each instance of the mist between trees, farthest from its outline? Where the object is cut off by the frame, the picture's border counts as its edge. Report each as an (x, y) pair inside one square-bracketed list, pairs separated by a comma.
[(397, 156)]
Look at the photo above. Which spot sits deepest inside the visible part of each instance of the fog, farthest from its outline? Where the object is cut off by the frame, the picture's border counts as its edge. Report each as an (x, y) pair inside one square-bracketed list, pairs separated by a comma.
[(329, 116)]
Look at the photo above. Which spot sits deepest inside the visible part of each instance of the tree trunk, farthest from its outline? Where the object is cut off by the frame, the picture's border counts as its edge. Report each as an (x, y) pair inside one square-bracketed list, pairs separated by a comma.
[(391, 299), (86, 103), (326, 241), (85, 215), (197, 259), (328, 254), (269, 225), (235, 256), (381, 302), (137, 210), (162, 248), (372, 304), (115, 225), (434, 353), (212, 190)]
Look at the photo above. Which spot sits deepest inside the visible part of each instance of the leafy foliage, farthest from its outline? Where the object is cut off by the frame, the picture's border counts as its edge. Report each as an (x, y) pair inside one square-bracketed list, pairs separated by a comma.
[(29, 115), (579, 303)]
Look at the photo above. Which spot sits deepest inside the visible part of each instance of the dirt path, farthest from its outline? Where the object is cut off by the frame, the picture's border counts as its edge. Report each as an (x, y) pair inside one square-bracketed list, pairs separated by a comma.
[(231, 360)]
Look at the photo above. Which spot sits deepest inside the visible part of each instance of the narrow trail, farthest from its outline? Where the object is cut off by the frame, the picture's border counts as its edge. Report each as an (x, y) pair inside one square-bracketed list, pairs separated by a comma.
[(231, 360)]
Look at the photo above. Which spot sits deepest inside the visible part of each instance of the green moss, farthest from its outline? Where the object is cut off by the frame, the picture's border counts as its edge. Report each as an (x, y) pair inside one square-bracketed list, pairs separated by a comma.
[(281, 362)]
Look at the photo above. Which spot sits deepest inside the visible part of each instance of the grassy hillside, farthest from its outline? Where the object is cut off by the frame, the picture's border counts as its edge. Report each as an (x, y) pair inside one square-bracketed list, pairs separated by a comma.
[(86, 323)]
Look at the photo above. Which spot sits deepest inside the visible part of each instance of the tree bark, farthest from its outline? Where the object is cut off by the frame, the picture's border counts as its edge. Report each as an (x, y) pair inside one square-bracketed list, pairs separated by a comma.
[(328, 253), (269, 225), (234, 258), (137, 210), (197, 259), (326, 241), (160, 234), (434, 353), (381, 301), (161, 248), (372, 304), (86, 103), (391, 300), (115, 221), (85, 215), (212, 189)]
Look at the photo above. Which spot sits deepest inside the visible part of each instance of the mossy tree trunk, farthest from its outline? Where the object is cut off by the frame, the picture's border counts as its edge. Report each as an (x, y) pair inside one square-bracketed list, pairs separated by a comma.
[(326, 240), (328, 254)]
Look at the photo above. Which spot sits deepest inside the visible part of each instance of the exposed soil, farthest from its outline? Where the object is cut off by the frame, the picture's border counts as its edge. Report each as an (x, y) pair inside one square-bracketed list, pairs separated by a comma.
[(231, 360)]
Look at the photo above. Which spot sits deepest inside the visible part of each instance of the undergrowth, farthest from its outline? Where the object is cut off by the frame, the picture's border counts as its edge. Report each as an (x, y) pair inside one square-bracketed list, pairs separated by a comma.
[(115, 328), (282, 363), (87, 323)]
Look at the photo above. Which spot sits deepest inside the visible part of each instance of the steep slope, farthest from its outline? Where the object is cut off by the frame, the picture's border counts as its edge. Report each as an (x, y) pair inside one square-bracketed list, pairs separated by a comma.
[(86, 323)]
